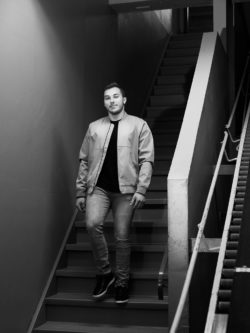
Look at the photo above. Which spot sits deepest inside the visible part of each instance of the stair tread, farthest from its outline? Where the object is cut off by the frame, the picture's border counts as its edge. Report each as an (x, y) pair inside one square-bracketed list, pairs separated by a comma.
[(137, 222), (73, 327), (145, 247), (79, 271), (77, 298), (157, 201), (167, 107)]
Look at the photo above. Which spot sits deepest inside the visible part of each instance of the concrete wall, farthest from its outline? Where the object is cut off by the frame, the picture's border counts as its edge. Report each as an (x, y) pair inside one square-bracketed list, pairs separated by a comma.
[(141, 39), (52, 75), (196, 153)]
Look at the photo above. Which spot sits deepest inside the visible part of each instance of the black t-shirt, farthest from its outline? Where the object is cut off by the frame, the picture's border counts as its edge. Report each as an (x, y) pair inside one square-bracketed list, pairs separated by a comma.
[(108, 178)]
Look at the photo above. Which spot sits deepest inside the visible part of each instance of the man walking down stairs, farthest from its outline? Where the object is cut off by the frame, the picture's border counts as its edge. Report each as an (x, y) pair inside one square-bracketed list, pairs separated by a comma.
[(115, 170)]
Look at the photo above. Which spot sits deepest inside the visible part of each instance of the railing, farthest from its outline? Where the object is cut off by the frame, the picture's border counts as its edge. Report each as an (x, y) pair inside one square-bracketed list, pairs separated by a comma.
[(52, 273), (216, 284), (156, 72), (202, 224)]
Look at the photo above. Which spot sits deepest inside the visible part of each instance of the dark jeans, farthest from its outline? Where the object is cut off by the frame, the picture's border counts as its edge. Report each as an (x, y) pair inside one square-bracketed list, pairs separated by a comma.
[(98, 205)]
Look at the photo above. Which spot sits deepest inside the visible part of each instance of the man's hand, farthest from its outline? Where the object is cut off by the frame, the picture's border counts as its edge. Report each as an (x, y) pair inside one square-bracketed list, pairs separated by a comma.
[(137, 200), (80, 204)]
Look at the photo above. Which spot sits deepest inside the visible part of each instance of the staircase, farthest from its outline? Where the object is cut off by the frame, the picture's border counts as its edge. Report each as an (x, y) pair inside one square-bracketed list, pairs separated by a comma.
[(200, 19), (68, 306)]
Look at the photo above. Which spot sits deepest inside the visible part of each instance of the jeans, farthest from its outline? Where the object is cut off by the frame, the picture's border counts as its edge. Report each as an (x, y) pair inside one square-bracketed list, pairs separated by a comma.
[(98, 204)]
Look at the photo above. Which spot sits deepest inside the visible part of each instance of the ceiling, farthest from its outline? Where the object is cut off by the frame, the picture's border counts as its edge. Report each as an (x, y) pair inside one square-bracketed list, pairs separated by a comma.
[(142, 5)]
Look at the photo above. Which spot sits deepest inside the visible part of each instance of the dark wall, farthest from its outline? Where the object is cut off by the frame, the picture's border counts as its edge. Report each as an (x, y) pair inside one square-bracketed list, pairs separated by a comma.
[(55, 57), (141, 38)]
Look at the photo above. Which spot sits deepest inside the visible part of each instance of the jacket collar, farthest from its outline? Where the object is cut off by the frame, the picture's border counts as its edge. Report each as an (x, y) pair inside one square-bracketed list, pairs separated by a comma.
[(123, 117)]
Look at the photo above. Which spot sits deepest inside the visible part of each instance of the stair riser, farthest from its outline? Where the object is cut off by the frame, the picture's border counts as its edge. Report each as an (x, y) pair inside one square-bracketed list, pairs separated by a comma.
[(161, 139), (161, 151), (166, 126), (201, 29), (181, 44), (139, 260), (146, 287), (179, 60), (201, 24), (169, 70), (174, 89), (168, 100), (161, 113), (138, 235), (182, 52), (162, 167), (172, 79), (116, 315), (159, 183), (147, 214), (184, 37)]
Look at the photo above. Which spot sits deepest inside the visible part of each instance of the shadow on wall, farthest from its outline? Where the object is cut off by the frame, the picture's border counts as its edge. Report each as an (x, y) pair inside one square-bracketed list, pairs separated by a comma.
[(141, 39), (89, 48)]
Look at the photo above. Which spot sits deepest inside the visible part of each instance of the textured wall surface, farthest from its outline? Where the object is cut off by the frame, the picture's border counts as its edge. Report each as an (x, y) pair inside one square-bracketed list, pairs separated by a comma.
[(52, 75)]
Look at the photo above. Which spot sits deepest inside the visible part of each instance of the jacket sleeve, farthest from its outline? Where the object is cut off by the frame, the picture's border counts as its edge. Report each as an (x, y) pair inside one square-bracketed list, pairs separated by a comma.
[(81, 181), (146, 159)]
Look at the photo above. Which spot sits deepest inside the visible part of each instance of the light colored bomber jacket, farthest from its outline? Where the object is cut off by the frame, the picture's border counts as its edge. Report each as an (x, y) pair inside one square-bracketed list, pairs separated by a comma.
[(135, 155)]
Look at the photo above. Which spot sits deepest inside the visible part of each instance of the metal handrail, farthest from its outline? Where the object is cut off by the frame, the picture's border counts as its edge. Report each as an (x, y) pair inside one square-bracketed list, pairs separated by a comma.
[(229, 123), (202, 224), (161, 275), (201, 227), (156, 72), (52, 272), (213, 300)]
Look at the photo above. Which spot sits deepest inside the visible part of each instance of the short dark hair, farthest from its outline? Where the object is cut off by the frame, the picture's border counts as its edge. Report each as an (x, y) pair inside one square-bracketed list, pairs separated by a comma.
[(115, 85)]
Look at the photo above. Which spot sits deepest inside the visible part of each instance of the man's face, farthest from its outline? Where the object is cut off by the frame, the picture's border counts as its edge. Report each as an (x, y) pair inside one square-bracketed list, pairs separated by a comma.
[(114, 101)]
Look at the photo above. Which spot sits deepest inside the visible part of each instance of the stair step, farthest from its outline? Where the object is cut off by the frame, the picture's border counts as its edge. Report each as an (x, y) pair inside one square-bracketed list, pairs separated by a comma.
[(81, 272), (187, 36), (74, 327), (149, 231), (143, 218), (147, 248), (78, 280), (164, 112), (164, 151), (158, 183), (171, 89), (161, 167), (180, 60), (172, 79), (144, 256), (182, 52), (174, 99), (164, 139), (181, 69), (156, 199), (171, 125), (78, 307), (201, 29), (185, 43)]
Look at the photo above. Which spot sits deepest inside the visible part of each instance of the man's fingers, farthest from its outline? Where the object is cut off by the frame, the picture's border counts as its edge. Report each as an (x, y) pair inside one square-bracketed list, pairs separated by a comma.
[(80, 205)]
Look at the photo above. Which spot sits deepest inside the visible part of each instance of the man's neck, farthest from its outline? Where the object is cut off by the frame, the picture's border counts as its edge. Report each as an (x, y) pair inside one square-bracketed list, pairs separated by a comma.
[(116, 117)]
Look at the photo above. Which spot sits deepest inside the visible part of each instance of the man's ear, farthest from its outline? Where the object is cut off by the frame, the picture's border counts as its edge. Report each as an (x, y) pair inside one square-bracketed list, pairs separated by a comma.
[(124, 100)]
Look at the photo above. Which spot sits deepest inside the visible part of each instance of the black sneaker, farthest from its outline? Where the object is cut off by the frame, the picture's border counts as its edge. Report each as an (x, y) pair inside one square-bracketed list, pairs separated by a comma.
[(103, 283), (121, 294)]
